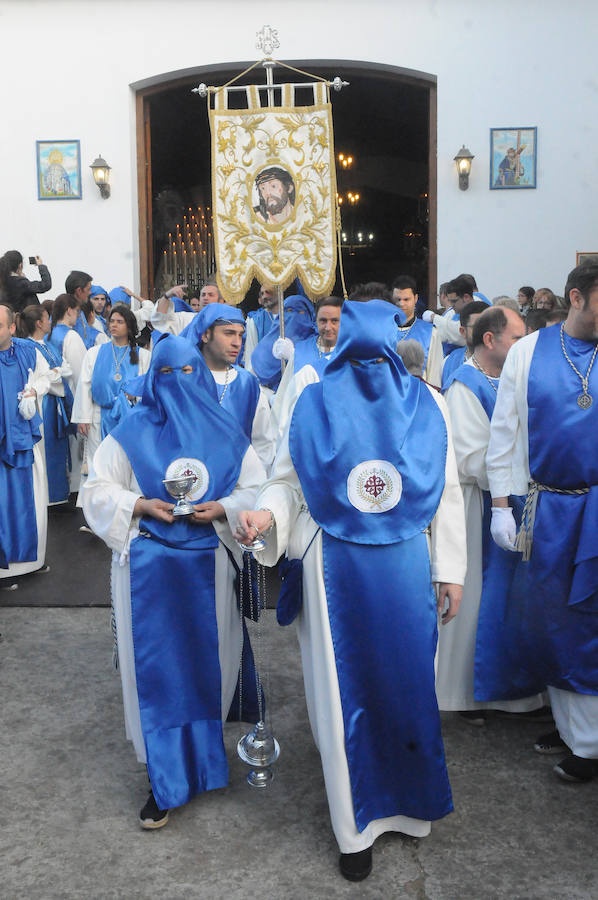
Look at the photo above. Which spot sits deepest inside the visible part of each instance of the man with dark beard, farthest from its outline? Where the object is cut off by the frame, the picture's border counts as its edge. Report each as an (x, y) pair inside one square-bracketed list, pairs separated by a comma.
[(276, 192)]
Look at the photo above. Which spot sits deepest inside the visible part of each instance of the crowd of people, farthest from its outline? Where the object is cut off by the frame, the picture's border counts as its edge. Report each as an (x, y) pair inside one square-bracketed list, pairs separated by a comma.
[(410, 466)]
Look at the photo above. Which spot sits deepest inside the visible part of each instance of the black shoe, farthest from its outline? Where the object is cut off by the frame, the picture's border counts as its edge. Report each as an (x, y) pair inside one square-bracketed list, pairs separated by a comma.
[(475, 717), (575, 768), (543, 714), (356, 866), (151, 816), (550, 743)]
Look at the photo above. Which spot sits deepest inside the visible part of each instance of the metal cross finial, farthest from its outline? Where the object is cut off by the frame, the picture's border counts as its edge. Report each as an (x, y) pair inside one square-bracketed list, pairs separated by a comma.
[(267, 40)]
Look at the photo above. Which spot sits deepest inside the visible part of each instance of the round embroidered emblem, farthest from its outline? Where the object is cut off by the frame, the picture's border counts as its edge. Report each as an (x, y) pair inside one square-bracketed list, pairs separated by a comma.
[(187, 466), (374, 486)]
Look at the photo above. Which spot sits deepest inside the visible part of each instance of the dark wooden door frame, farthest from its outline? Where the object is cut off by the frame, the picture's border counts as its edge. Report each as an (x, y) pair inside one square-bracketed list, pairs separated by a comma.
[(146, 89)]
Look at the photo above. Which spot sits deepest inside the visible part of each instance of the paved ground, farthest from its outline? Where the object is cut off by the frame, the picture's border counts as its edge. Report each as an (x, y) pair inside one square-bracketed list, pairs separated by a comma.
[(79, 567), (71, 790)]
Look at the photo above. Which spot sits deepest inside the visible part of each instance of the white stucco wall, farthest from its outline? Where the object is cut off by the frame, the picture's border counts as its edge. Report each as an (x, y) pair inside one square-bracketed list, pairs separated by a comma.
[(67, 65)]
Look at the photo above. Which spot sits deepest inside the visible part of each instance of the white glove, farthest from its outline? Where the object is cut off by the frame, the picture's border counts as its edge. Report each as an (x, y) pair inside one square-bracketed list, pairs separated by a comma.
[(283, 348), (27, 407), (503, 527), (428, 315)]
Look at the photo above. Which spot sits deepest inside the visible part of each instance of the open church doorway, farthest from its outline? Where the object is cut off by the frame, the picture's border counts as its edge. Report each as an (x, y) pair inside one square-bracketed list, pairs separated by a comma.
[(385, 130)]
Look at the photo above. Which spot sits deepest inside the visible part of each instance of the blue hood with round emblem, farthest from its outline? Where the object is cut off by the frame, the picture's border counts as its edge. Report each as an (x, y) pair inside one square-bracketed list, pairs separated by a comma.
[(369, 438), (180, 419)]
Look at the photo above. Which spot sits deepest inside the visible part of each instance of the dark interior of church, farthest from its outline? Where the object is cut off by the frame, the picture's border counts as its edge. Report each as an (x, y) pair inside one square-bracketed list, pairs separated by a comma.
[(381, 127)]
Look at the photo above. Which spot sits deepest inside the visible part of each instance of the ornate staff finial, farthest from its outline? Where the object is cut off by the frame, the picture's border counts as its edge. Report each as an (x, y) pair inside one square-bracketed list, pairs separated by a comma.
[(267, 40)]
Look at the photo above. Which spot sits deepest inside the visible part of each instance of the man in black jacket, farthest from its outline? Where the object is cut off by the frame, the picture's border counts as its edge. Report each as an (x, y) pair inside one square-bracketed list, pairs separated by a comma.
[(16, 291)]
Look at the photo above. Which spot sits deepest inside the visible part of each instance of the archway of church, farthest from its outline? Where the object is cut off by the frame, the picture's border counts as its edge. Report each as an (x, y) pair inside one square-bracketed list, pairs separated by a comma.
[(385, 122)]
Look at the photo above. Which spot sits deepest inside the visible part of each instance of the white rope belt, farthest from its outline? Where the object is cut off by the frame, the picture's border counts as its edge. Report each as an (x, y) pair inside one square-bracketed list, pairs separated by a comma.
[(526, 532)]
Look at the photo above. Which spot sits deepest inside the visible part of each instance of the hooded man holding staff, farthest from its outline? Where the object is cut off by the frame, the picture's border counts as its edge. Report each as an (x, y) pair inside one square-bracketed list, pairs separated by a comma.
[(178, 625), (364, 470)]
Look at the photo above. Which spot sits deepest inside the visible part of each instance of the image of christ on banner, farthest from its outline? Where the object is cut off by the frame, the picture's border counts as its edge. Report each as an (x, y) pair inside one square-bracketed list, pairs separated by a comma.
[(274, 193)]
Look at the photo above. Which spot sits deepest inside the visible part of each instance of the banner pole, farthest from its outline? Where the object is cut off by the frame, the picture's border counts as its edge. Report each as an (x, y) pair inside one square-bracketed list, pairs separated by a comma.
[(268, 65)]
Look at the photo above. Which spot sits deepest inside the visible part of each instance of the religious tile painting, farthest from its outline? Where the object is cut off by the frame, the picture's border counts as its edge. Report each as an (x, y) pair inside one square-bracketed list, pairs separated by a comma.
[(58, 170), (512, 158)]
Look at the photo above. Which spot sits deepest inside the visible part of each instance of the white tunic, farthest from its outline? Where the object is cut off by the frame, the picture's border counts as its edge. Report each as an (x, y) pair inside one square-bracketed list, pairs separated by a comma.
[(55, 376), (507, 461), (143, 311), (447, 327), (456, 644), (102, 337), (286, 396), (109, 497), (73, 351), (252, 339), (85, 410), (171, 321), (40, 381), (294, 530)]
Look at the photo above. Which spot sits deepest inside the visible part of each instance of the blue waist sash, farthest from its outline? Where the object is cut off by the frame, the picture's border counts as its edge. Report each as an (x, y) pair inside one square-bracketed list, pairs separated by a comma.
[(175, 639), (18, 523), (504, 667), (393, 741), (57, 427)]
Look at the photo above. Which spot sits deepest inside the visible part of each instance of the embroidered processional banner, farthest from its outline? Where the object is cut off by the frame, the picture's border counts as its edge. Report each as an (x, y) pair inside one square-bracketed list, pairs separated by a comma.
[(274, 193)]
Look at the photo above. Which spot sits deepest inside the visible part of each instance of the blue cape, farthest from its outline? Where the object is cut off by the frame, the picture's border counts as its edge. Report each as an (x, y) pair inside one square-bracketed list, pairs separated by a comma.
[(18, 526), (105, 391), (180, 416), (452, 362), (299, 324), (263, 320), (477, 383), (55, 340), (402, 419)]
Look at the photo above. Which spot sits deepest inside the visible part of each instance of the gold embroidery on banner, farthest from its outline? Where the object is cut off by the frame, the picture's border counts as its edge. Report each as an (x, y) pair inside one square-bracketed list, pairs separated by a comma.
[(247, 243)]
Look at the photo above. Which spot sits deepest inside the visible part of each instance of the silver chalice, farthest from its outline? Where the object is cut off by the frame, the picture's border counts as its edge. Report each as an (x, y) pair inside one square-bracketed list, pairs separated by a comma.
[(179, 488)]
